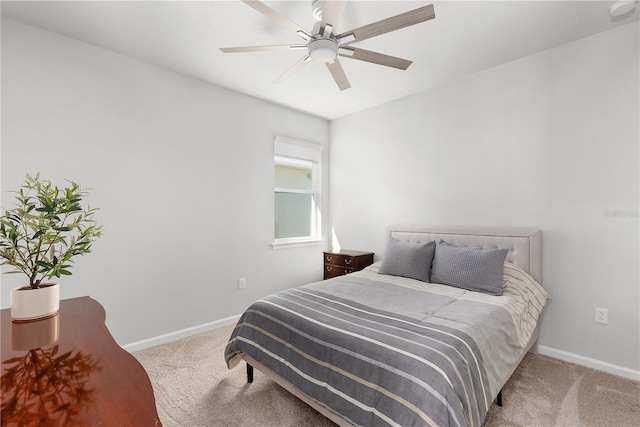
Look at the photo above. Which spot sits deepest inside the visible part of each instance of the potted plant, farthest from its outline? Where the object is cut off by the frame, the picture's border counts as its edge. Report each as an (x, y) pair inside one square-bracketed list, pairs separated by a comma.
[(39, 237)]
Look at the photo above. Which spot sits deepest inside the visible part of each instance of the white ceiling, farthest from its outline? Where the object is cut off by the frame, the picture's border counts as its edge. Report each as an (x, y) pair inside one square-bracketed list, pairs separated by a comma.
[(184, 36)]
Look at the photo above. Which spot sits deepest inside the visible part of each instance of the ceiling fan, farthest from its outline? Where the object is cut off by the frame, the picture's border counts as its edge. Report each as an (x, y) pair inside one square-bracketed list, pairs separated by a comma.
[(323, 45)]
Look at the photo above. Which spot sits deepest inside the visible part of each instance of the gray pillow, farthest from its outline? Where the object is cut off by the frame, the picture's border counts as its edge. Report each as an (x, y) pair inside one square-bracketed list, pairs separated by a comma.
[(412, 260), (474, 269)]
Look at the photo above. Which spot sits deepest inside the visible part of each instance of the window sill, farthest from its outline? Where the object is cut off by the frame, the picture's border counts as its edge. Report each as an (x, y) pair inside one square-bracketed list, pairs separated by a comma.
[(287, 245)]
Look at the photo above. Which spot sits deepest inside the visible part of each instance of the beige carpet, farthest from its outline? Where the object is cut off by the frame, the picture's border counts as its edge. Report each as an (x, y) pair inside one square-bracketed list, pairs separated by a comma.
[(194, 388)]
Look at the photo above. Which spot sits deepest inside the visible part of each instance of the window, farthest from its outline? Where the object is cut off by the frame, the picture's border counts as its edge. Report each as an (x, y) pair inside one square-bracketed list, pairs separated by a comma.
[(296, 192)]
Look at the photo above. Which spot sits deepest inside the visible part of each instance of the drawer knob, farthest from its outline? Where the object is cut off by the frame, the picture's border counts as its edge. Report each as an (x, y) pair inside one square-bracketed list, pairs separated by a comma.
[(348, 261), (329, 258), (329, 268)]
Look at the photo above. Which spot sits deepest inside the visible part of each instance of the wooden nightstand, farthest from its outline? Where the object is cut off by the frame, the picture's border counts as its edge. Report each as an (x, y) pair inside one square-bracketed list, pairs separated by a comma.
[(339, 263)]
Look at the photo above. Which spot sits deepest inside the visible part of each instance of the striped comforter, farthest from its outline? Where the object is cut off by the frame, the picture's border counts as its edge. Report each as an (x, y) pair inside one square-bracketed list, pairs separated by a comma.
[(384, 350)]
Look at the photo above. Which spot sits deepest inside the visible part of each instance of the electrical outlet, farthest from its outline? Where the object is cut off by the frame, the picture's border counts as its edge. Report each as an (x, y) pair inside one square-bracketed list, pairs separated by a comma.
[(242, 283), (602, 315)]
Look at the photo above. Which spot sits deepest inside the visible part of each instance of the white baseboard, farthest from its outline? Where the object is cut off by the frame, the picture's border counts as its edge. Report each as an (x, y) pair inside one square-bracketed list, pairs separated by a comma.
[(183, 333), (589, 362)]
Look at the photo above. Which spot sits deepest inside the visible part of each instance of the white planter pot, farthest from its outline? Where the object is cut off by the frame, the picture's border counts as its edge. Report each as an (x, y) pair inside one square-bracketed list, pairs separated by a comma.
[(32, 304)]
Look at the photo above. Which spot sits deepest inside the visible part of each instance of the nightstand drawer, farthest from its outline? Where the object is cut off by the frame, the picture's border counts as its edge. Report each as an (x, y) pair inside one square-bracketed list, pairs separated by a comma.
[(339, 259), (345, 262), (331, 270)]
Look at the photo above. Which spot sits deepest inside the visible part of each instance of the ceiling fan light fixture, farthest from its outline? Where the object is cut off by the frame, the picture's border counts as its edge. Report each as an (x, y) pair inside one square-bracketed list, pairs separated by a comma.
[(323, 50)]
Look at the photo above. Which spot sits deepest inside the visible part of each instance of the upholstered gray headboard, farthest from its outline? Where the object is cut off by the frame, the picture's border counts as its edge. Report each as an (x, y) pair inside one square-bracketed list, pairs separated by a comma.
[(524, 244)]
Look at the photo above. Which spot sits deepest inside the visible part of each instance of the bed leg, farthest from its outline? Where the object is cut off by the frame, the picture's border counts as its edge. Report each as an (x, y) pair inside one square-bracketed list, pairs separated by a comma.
[(499, 398), (249, 373)]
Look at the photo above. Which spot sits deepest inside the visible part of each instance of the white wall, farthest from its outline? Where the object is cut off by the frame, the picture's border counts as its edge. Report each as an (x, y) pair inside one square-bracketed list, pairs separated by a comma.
[(181, 170), (548, 141)]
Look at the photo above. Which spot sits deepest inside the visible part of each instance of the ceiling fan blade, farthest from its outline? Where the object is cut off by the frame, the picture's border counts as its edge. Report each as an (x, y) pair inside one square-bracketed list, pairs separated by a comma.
[(387, 25), (375, 57), (262, 48), (332, 14), (337, 72), (270, 13), (294, 68)]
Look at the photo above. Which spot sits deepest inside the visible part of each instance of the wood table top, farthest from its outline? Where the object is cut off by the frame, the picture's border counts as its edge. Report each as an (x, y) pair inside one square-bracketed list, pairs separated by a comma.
[(68, 370)]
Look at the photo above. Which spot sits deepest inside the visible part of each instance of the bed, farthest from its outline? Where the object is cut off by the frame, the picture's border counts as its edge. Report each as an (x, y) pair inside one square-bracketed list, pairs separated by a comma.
[(384, 346)]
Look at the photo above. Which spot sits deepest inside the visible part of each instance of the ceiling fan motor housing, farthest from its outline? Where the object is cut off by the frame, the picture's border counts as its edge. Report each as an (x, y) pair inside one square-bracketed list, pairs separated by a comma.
[(323, 49)]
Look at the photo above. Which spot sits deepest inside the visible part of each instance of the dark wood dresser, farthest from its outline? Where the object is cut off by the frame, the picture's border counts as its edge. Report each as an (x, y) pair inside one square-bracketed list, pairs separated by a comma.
[(344, 261)]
